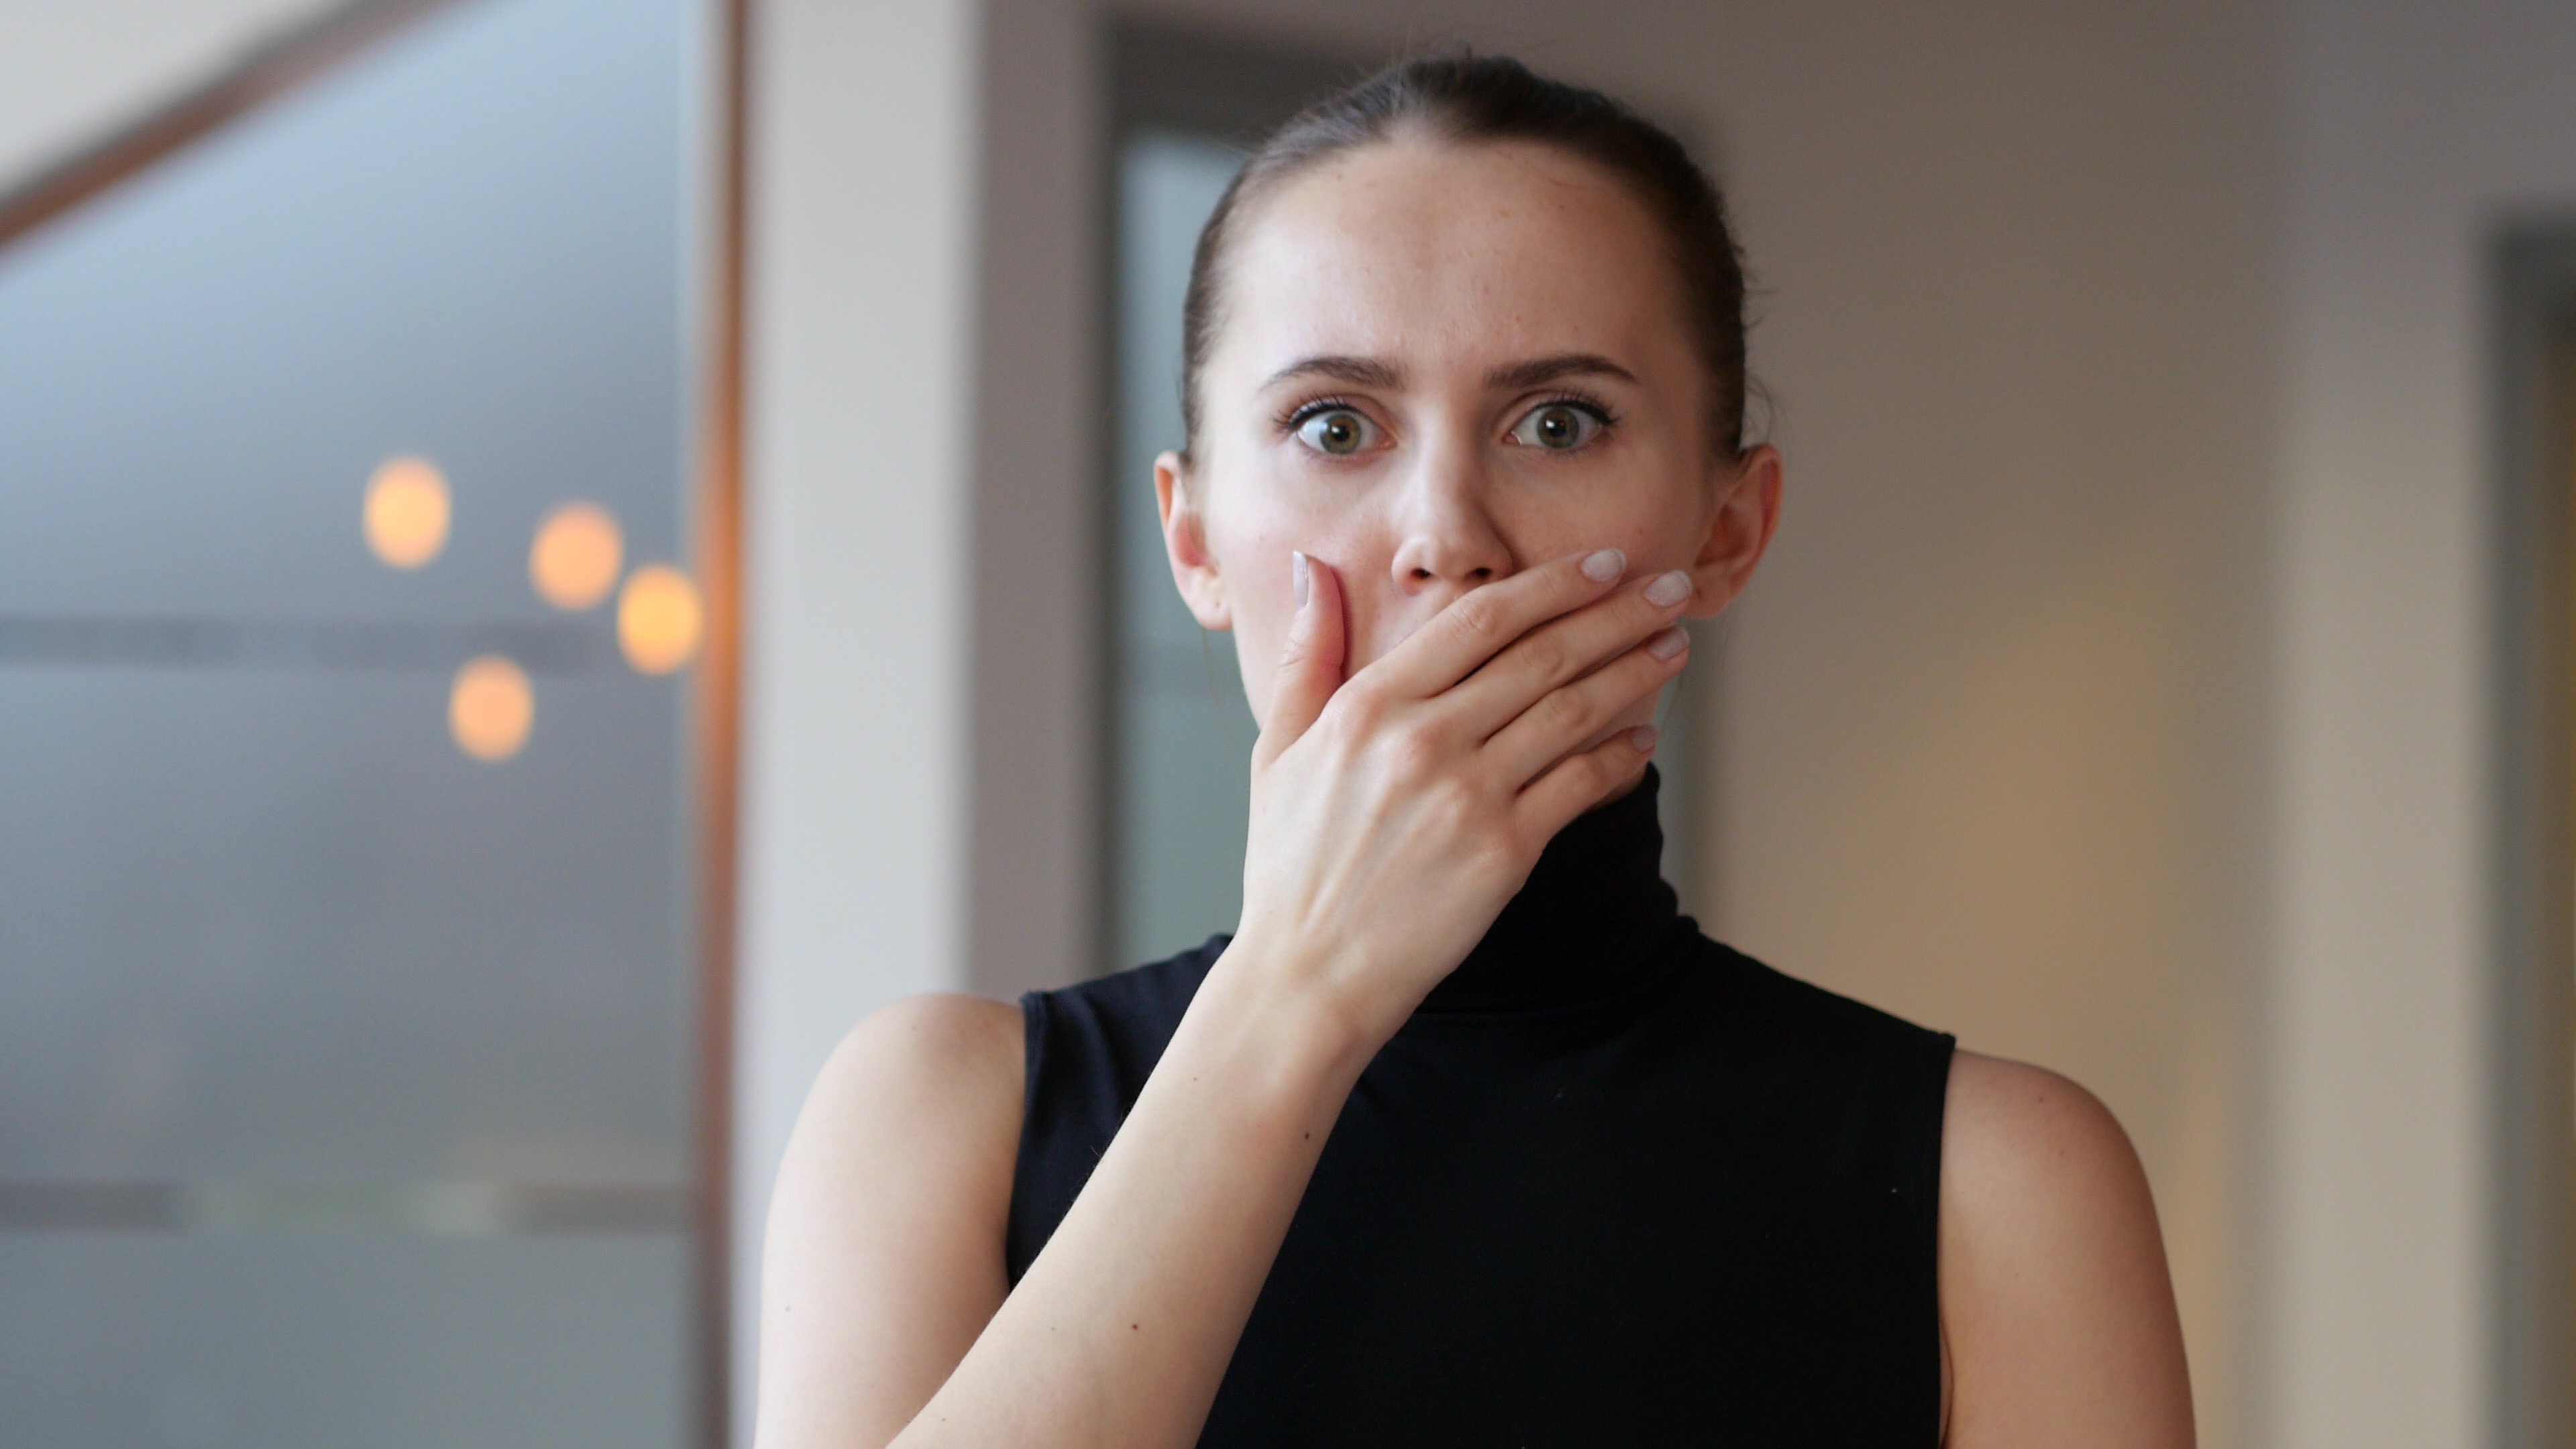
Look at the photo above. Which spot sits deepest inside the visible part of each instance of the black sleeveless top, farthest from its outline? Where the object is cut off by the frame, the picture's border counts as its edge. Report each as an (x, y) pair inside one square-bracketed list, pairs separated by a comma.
[(1613, 1183)]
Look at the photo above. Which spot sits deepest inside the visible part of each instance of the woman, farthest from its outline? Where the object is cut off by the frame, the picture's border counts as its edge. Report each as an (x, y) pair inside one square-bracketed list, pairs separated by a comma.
[(1465, 1136)]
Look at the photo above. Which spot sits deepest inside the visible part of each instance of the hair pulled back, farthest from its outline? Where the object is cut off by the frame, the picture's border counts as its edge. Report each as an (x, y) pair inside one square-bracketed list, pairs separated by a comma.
[(1466, 98)]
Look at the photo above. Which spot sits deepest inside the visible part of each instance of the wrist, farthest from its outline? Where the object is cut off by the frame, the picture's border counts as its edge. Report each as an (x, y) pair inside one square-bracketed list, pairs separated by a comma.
[(1273, 1006)]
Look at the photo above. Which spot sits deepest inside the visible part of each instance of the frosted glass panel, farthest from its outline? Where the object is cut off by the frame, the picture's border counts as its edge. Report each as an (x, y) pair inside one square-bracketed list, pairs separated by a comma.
[(351, 1342), (272, 923), (346, 1077), (465, 246)]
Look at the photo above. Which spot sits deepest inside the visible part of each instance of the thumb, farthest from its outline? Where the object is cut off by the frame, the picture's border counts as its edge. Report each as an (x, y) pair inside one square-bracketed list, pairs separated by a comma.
[(1310, 662)]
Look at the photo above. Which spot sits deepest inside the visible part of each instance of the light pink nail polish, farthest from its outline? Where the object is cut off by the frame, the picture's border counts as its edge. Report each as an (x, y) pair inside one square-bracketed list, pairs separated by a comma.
[(1670, 642), (1605, 565), (1299, 569), (1668, 590), (1642, 738)]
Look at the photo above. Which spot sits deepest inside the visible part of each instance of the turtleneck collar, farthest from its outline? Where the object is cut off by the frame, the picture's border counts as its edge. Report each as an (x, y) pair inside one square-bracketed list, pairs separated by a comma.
[(1591, 918)]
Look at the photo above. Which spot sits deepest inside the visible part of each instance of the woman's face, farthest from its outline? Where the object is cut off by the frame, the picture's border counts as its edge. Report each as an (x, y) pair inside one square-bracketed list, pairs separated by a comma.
[(1435, 365)]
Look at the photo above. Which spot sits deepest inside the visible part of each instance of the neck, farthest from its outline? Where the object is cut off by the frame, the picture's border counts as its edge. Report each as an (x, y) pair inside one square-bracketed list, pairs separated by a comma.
[(1590, 917)]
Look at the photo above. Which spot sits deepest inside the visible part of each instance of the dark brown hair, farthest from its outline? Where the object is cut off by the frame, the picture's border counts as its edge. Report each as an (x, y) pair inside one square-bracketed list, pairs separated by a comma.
[(1467, 98)]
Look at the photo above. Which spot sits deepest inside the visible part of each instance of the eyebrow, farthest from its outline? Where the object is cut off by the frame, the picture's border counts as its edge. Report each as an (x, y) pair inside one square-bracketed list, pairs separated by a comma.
[(1371, 372), (1357, 371), (1538, 372)]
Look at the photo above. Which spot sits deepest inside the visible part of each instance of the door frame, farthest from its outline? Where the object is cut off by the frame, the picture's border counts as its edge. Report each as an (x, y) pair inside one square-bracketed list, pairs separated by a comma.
[(2533, 1006)]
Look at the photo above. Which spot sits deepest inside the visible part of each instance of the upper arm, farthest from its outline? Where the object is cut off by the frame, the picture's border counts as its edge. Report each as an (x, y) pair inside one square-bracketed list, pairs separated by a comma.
[(2055, 1303), (884, 1253)]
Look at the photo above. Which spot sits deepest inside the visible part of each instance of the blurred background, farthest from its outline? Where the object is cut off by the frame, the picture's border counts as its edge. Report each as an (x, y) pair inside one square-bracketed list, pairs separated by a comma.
[(556, 553)]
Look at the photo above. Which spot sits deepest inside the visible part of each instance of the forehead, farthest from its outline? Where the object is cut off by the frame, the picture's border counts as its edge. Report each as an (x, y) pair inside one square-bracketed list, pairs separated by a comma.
[(1427, 252)]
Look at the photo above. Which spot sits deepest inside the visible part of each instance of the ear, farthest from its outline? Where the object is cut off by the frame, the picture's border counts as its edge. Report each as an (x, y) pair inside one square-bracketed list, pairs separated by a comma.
[(1748, 510), (1185, 543)]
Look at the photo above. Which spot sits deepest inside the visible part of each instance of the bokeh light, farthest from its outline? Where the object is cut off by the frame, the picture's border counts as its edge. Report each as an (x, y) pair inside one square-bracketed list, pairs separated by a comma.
[(659, 619), (491, 707), (575, 559), (407, 512)]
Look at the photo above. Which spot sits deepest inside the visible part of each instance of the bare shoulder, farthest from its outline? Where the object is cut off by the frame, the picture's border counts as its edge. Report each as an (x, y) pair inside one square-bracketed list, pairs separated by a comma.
[(2016, 1138), (884, 1255), (945, 1055), (2056, 1307), (919, 1102)]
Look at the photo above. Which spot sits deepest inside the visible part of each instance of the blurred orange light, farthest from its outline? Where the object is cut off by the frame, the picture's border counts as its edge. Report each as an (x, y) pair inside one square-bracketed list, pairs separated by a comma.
[(491, 707), (406, 514), (659, 619), (575, 559)]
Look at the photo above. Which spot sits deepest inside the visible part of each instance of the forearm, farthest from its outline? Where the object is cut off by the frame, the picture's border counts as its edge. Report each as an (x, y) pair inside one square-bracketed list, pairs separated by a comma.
[(1121, 1330)]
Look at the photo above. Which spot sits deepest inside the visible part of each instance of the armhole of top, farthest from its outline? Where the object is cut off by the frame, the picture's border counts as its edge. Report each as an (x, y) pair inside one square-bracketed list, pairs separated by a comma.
[(1033, 1033), (1945, 1051)]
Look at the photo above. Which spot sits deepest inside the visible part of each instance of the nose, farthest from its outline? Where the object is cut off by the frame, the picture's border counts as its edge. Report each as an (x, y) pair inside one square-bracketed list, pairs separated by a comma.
[(1445, 519)]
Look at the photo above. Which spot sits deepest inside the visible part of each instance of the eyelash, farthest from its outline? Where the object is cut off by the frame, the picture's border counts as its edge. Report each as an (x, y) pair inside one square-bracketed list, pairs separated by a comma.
[(1288, 422), (1295, 417), (1601, 411)]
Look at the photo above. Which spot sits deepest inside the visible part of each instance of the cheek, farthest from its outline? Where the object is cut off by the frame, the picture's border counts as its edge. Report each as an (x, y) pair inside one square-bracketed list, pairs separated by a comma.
[(1251, 549), (1655, 515), (1254, 546)]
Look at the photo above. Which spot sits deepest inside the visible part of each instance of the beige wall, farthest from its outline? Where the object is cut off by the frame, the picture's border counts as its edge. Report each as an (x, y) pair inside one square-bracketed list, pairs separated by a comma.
[(2416, 131), (1994, 725), (1994, 730)]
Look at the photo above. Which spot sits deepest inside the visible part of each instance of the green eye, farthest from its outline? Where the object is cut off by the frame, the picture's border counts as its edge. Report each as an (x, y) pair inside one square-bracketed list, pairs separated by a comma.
[(1556, 426), (1338, 431)]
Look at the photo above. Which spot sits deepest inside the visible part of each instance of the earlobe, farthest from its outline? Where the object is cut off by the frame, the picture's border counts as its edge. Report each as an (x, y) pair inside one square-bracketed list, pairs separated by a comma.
[(1739, 530), (1194, 569)]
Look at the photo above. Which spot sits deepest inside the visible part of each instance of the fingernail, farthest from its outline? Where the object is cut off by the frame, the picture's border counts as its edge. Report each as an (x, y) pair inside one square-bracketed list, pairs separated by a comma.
[(1300, 569), (1670, 642), (1669, 590), (1604, 566), (1643, 738)]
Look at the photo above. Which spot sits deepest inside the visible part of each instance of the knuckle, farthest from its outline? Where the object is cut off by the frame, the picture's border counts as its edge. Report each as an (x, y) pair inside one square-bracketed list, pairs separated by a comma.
[(1605, 768), (1416, 751), (1547, 656), (1435, 735), (1360, 706), (1638, 673), (1565, 710), (1455, 805), (1592, 774), (1335, 732), (1478, 615)]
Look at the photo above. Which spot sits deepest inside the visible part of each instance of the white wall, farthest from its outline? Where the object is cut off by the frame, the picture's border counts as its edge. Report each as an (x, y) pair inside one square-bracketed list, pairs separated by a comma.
[(1993, 745), (2416, 129), (861, 265)]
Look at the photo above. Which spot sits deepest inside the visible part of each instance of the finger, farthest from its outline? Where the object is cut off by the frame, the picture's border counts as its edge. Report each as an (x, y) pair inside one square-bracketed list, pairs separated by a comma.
[(1480, 623), (1563, 650), (1561, 721), (1579, 782), (1310, 662)]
